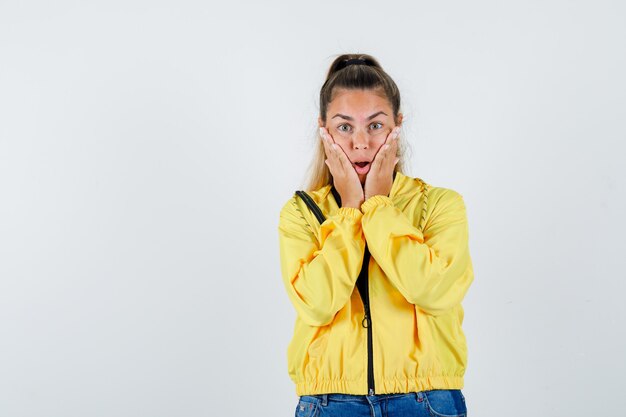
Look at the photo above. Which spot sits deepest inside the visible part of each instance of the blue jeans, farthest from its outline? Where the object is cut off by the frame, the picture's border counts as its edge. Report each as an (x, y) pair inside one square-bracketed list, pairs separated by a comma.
[(429, 403)]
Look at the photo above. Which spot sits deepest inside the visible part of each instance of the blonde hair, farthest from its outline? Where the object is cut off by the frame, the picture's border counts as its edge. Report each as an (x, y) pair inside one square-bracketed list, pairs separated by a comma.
[(368, 75)]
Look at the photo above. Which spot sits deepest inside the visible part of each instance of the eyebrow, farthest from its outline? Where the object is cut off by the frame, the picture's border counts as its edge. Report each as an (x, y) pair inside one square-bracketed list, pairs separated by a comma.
[(343, 116)]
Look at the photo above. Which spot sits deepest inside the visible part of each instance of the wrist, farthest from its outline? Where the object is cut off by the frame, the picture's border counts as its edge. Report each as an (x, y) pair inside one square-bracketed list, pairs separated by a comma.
[(353, 204), (367, 196), (375, 201)]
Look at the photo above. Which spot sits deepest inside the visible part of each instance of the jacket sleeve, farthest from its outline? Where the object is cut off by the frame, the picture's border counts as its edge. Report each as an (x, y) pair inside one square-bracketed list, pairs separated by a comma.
[(320, 277), (432, 270)]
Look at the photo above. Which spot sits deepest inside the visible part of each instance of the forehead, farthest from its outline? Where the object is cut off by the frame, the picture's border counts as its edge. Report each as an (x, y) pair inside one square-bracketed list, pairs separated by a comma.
[(358, 103)]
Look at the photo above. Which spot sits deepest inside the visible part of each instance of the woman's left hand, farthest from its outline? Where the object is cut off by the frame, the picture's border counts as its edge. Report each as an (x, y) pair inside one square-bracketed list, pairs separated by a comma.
[(380, 176)]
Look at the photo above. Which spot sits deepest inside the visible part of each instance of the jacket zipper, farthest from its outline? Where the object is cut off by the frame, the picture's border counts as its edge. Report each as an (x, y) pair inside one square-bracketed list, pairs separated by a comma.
[(362, 284)]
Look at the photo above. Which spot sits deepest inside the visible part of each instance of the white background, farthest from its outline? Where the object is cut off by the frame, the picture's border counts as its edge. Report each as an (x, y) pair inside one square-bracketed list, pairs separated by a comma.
[(146, 148)]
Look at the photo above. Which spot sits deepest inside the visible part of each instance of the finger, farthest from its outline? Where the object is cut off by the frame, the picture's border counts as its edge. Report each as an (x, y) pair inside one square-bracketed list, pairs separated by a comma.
[(396, 137), (394, 147), (333, 163), (335, 150), (323, 136), (336, 153), (389, 148), (330, 152), (393, 157), (390, 154), (340, 159), (341, 154), (336, 161), (325, 145), (329, 143), (391, 137), (391, 144), (380, 156), (326, 135)]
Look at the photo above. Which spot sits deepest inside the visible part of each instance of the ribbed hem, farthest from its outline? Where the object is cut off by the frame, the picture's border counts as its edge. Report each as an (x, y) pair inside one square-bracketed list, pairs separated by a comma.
[(386, 386), (376, 200), (352, 212)]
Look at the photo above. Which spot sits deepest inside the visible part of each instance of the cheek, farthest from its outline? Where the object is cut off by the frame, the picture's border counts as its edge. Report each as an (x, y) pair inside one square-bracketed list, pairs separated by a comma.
[(342, 142), (378, 141), (345, 147)]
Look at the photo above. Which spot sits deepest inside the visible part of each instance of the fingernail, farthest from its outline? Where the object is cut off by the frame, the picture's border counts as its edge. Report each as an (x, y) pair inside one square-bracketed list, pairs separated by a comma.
[(322, 132)]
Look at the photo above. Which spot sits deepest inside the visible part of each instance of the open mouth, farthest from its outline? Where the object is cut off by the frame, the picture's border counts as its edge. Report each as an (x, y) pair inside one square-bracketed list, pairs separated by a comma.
[(362, 167)]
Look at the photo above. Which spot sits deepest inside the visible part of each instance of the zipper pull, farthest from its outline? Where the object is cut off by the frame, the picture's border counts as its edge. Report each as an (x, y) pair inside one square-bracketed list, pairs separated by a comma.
[(365, 322), (371, 391)]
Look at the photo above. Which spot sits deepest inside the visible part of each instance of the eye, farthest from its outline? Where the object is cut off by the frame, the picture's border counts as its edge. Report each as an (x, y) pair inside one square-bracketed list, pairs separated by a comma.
[(343, 128), (376, 125)]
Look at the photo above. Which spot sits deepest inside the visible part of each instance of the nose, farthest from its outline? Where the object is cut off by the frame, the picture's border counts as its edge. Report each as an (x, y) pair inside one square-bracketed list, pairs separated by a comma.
[(360, 140)]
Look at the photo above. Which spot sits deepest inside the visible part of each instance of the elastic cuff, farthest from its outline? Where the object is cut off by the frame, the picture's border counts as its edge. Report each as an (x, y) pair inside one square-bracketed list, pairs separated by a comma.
[(376, 200), (351, 212)]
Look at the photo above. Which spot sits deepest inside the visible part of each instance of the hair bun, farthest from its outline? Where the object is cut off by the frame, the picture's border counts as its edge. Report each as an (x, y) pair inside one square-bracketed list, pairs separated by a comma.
[(352, 61)]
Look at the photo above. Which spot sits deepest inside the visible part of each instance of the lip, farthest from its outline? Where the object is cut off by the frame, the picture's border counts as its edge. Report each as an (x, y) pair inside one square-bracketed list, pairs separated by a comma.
[(363, 170)]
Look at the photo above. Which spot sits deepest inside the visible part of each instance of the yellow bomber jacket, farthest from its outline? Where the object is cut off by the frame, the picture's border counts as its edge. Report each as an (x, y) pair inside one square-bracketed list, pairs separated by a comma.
[(419, 272)]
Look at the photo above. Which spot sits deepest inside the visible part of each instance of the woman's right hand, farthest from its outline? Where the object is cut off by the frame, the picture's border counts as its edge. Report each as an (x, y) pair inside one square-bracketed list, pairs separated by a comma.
[(345, 178)]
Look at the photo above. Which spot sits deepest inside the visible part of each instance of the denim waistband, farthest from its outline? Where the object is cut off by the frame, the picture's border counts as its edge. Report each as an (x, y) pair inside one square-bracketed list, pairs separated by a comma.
[(323, 398)]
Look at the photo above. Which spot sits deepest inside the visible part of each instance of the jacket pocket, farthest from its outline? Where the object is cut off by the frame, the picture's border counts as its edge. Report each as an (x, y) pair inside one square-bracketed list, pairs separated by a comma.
[(446, 403)]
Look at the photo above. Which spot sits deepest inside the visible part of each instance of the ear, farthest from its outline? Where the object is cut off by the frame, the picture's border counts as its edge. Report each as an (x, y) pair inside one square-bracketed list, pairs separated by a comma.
[(399, 119), (320, 122)]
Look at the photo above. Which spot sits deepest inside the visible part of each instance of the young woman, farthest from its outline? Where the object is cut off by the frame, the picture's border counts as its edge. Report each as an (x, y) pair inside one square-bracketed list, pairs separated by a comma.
[(376, 264)]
